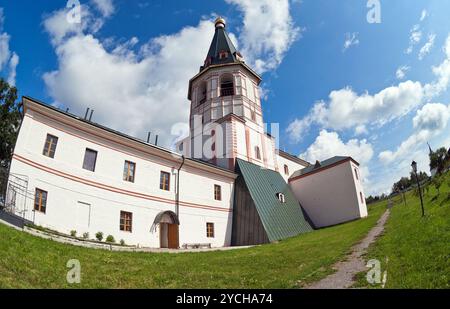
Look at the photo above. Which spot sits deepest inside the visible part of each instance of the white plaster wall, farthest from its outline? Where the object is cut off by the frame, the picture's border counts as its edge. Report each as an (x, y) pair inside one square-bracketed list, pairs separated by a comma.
[(329, 197), (64, 212), (292, 165)]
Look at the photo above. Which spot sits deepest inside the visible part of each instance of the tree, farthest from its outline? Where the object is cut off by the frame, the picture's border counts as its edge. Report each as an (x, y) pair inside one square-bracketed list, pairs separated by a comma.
[(9, 121), (438, 160)]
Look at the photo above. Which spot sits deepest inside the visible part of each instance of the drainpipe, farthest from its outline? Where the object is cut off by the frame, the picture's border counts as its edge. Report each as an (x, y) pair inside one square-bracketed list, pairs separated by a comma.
[(177, 206)]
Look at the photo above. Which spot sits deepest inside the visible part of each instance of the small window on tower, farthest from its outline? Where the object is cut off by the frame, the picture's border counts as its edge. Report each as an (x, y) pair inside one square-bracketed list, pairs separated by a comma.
[(253, 116), (257, 153), (223, 54), (226, 85)]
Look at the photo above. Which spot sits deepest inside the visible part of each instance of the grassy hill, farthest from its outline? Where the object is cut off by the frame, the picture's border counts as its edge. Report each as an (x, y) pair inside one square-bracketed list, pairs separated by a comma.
[(417, 249), (30, 262)]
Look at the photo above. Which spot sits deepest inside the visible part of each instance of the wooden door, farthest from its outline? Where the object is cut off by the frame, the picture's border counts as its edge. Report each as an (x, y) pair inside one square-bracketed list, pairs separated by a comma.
[(173, 236)]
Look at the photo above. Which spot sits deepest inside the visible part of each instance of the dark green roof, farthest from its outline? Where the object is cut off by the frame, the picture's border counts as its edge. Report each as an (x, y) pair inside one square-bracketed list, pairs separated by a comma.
[(221, 42), (322, 164), (280, 220)]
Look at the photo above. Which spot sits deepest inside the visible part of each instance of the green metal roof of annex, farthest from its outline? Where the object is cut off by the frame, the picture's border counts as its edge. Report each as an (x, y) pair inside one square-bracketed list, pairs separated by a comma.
[(280, 220)]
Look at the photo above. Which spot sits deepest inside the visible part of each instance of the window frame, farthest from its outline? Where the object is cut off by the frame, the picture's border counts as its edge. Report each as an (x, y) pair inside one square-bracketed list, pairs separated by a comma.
[(210, 233), (126, 221), (42, 205), (50, 140), (162, 184), (126, 168), (95, 160), (217, 192), (257, 153)]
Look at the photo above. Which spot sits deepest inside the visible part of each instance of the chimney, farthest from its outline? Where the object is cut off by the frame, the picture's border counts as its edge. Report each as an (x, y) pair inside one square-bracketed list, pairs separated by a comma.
[(148, 137), (156, 140), (92, 112), (87, 112)]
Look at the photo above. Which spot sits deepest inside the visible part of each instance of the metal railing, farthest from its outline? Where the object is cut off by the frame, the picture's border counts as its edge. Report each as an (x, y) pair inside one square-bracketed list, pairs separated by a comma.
[(224, 92)]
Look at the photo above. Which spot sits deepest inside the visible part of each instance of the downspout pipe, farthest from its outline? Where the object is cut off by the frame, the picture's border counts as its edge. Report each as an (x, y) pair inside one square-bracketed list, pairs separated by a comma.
[(177, 205)]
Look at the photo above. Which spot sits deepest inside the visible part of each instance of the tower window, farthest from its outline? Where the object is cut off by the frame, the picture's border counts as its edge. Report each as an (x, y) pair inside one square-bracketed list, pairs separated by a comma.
[(202, 93), (253, 116), (362, 197), (356, 174), (257, 153), (223, 54), (226, 85)]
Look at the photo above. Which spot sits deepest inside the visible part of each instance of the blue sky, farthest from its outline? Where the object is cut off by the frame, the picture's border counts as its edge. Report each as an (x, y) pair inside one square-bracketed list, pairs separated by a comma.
[(133, 59)]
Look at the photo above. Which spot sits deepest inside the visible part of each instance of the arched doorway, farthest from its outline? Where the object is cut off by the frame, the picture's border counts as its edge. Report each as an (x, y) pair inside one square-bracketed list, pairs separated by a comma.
[(168, 229)]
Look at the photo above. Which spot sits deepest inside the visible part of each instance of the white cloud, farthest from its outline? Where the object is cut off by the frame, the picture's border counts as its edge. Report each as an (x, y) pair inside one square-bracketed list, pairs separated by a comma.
[(106, 7), (423, 15), (401, 72), (346, 109), (8, 59), (5, 53), (351, 39), (268, 32), (13, 62), (329, 144), (442, 73), (425, 50), (415, 36), (59, 27), (131, 93), (429, 121), (361, 130)]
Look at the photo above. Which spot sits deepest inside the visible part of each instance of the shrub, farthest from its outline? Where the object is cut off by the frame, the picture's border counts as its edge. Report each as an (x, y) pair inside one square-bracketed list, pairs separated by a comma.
[(122, 242), (110, 239), (73, 233), (99, 236), (86, 235)]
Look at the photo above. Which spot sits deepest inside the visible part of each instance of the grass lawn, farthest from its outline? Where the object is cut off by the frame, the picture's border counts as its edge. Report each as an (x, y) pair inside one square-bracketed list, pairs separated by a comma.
[(30, 262), (417, 249)]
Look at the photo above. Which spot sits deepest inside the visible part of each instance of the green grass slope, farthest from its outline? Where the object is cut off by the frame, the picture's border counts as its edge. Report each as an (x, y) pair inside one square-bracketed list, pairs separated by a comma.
[(417, 249), (30, 262)]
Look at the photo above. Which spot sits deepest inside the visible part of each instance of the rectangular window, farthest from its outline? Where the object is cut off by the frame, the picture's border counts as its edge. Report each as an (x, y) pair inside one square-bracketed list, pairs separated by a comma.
[(50, 146), (356, 174), (286, 169), (257, 153), (164, 181), (40, 200), (362, 197), (126, 221), (210, 230), (217, 192), (90, 159), (129, 171)]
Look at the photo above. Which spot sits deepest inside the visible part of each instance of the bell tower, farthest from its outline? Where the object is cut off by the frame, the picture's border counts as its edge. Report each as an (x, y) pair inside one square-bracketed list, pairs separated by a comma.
[(226, 120)]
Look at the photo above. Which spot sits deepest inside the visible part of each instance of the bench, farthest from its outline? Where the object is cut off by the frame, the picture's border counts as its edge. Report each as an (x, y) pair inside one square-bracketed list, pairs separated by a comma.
[(196, 246)]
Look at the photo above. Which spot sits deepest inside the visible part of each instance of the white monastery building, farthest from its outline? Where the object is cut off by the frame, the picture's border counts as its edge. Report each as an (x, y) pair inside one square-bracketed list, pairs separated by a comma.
[(225, 185)]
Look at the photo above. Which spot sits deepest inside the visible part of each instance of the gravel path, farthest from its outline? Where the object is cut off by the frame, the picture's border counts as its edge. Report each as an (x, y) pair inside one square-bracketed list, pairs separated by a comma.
[(346, 270)]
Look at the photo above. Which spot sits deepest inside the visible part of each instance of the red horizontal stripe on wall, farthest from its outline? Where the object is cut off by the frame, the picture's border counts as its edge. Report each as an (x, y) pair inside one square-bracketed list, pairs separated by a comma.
[(114, 189)]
